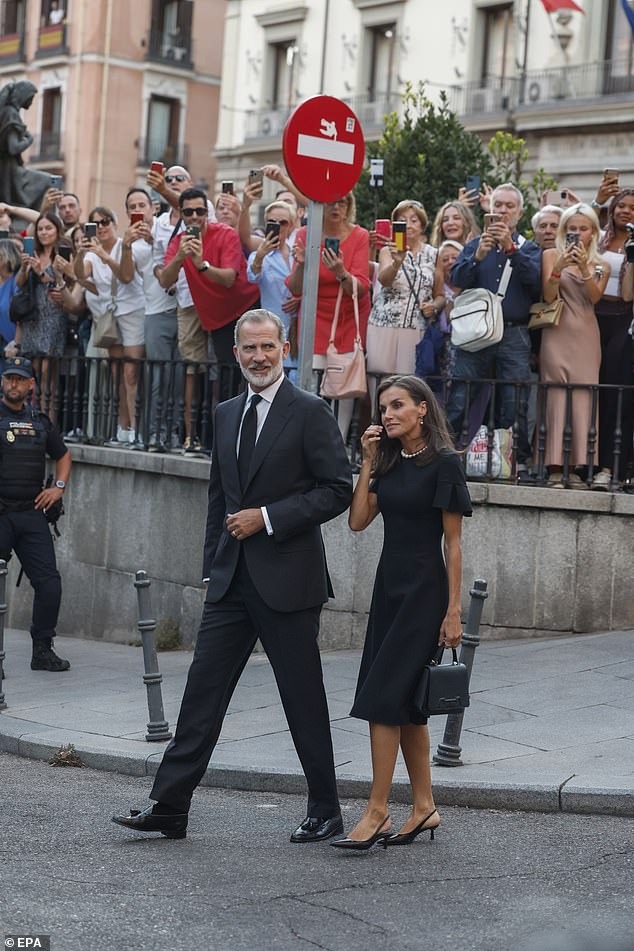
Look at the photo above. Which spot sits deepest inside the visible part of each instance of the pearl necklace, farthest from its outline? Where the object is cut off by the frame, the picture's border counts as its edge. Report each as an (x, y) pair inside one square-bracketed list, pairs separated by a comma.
[(412, 455)]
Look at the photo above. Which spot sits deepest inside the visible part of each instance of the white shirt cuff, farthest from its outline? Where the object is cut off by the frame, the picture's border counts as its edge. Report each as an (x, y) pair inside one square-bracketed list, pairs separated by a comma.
[(267, 521)]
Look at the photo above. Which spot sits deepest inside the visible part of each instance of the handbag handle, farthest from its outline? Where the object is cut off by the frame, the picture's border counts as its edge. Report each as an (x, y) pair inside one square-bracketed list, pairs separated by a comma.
[(355, 300), (437, 658)]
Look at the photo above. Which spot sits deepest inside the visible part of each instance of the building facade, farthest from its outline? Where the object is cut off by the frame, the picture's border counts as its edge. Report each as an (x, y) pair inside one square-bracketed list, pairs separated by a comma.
[(120, 84), (564, 81)]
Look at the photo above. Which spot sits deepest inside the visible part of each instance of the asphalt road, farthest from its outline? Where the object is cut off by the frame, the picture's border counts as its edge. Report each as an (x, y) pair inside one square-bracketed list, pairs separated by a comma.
[(488, 882)]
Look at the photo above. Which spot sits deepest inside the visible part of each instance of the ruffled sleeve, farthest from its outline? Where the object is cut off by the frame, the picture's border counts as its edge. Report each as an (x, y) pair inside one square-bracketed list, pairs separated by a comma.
[(452, 494)]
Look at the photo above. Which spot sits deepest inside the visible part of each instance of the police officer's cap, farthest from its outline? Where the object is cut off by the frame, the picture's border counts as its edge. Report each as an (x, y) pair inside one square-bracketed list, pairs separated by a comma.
[(18, 366)]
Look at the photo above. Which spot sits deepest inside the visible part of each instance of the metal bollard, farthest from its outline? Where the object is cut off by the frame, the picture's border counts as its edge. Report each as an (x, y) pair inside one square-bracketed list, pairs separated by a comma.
[(3, 611), (158, 727), (448, 752)]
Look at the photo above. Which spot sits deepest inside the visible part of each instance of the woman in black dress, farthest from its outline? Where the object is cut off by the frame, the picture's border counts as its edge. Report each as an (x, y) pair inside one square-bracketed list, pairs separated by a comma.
[(412, 476)]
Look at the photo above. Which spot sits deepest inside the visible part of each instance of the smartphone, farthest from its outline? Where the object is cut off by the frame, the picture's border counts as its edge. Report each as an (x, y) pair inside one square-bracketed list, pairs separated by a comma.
[(272, 229), (136, 217), (572, 238), (398, 235), (90, 229), (383, 226), (491, 219), (65, 252), (556, 197), (256, 176), (193, 231), (472, 184), (57, 181), (3, 234), (29, 246), (157, 167), (611, 173), (227, 188), (332, 244)]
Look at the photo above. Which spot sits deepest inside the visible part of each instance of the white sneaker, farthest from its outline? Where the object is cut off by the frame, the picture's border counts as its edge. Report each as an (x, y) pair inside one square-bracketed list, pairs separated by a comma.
[(125, 436), (602, 481)]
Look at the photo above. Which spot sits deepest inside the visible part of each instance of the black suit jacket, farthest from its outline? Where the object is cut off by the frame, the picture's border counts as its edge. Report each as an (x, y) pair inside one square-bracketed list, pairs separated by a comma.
[(300, 472)]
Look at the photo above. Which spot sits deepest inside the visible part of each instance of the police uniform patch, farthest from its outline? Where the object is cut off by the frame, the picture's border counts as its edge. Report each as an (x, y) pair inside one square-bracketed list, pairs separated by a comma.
[(10, 436)]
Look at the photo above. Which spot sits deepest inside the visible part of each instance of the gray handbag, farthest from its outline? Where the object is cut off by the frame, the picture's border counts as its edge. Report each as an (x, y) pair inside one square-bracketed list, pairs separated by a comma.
[(443, 688)]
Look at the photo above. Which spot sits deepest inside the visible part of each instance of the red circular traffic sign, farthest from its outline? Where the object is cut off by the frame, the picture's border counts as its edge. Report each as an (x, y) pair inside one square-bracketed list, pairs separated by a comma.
[(323, 148)]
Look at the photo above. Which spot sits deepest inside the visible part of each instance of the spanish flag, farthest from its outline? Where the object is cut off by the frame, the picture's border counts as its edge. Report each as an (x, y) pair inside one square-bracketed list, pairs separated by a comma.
[(628, 10), (552, 6)]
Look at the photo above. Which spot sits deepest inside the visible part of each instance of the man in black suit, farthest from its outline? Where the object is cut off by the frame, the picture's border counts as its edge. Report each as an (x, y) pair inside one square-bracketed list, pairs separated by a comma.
[(279, 470)]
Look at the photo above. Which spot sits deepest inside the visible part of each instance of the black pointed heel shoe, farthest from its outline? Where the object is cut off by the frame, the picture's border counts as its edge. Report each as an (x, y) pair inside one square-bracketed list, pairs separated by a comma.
[(406, 838), (362, 845), (172, 826)]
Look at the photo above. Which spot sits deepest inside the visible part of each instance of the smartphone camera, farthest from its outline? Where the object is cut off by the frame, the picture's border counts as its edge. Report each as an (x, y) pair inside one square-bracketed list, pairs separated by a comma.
[(90, 229), (256, 176), (227, 188), (193, 231), (572, 239), (272, 229)]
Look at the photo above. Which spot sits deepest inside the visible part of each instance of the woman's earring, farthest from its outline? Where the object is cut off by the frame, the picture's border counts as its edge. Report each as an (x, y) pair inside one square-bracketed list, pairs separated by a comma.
[(421, 420)]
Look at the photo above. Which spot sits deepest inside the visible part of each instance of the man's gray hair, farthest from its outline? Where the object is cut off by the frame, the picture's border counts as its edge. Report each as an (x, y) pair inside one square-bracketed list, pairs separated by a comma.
[(508, 187), (260, 316), (546, 210)]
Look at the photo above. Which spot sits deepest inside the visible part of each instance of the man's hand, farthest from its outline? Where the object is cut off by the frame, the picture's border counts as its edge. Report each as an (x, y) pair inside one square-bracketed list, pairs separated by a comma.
[(251, 193), (501, 234), (275, 173), (195, 250), (51, 197), (155, 180), (485, 245), (134, 233), (245, 523), (48, 497)]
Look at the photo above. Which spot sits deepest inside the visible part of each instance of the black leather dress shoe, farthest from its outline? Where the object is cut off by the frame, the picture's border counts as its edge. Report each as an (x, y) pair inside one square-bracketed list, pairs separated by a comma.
[(315, 829), (171, 826)]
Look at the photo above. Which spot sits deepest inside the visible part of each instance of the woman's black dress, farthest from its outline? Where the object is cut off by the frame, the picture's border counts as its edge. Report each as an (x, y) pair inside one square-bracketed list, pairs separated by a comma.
[(411, 590)]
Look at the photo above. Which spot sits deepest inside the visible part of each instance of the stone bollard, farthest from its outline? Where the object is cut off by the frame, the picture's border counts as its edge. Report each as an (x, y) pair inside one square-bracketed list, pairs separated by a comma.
[(158, 727), (3, 611), (448, 752)]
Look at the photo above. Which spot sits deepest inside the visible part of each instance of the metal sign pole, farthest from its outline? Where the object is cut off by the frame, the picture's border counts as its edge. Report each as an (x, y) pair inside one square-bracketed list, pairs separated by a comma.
[(306, 377)]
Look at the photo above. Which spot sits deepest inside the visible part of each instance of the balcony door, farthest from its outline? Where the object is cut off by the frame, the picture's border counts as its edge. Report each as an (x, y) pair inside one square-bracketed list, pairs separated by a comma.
[(162, 130), (12, 17), (620, 50)]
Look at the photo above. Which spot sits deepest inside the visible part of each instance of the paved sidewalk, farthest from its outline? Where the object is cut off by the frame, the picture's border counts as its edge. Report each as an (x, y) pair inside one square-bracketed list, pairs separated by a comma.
[(550, 726)]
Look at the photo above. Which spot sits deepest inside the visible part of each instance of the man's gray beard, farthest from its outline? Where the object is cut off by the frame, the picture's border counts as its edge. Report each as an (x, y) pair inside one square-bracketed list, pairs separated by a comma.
[(264, 381)]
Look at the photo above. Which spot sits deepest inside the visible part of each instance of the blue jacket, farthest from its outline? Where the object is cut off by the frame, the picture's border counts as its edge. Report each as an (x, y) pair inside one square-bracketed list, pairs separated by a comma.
[(525, 286)]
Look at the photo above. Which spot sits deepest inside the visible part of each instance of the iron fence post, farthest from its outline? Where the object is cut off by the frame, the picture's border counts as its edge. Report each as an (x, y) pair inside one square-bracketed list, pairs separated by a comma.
[(158, 727), (448, 752)]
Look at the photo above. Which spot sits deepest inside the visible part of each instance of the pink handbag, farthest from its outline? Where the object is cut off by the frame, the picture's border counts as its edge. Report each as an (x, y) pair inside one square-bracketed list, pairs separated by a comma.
[(344, 376)]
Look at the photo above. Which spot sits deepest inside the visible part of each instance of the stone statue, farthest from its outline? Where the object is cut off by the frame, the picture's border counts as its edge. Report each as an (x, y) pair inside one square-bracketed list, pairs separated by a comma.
[(19, 185)]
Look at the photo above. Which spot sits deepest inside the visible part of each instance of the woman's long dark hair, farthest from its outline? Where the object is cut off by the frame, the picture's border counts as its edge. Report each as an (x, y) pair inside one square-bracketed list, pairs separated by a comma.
[(610, 229), (59, 226), (435, 429)]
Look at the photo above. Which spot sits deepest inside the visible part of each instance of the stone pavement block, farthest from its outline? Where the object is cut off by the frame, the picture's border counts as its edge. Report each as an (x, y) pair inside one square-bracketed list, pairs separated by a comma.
[(192, 603), (482, 712), (367, 549), (479, 555), (556, 571), (559, 693), (481, 746), (340, 544), (246, 724), (486, 793), (563, 731), (335, 630), (593, 597), (516, 573), (622, 596)]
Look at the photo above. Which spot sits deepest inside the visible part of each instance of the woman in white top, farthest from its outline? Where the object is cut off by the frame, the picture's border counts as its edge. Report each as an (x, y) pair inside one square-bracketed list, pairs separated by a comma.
[(108, 267), (614, 313), (405, 299)]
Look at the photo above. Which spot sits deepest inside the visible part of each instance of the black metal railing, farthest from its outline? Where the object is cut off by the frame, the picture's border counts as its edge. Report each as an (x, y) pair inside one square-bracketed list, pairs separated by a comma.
[(88, 399), (150, 151), (173, 49)]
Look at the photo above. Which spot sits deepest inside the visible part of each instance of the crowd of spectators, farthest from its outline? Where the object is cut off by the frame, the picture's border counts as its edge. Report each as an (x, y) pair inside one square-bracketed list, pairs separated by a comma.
[(183, 268)]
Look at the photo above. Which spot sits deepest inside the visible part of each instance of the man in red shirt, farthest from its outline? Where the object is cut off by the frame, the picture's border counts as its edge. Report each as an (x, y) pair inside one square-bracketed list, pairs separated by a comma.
[(216, 272)]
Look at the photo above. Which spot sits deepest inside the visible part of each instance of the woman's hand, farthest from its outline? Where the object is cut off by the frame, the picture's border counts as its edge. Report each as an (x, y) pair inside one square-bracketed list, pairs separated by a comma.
[(451, 630), (251, 193), (26, 262), (62, 267), (397, 256), (370, 443), (580, 258), (55, 295), (428, 309), (334, 262), (12, 349), (299, 252), (36, 267), (608, 188), (271, 242)]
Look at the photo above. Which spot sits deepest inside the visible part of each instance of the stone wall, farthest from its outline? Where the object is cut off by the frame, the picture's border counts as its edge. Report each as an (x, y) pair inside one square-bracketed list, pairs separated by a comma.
[(555, 561)]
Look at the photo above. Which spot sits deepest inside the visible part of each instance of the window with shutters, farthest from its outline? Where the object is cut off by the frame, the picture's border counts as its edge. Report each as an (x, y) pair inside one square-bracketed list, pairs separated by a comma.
[(171, 32)]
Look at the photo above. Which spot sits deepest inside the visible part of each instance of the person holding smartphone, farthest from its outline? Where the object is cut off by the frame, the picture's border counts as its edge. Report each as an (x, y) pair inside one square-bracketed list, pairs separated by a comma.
[(43, 339), (575, 272), (269, 267), (337, 269), (406, 297)]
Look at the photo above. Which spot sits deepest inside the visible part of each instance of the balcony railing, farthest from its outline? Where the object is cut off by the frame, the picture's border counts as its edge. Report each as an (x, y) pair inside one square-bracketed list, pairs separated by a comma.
[(170, 48), (11, 48), (47, 147), (371, 111), (149, 152), (588, 81), (51, 40)]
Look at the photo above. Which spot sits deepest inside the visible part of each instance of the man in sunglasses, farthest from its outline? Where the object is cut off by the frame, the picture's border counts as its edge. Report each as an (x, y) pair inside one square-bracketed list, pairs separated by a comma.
[(210, 255), (192, 340)]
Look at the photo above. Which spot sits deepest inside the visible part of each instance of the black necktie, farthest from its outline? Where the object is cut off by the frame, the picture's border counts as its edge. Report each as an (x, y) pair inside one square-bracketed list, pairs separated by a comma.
[(247, 439)]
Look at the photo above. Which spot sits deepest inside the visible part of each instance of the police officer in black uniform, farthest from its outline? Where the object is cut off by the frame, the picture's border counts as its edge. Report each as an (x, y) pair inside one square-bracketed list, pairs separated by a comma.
[(26, 437)]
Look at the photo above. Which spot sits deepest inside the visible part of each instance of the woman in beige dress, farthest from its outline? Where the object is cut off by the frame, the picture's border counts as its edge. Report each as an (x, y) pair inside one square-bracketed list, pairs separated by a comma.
[(571, 352)]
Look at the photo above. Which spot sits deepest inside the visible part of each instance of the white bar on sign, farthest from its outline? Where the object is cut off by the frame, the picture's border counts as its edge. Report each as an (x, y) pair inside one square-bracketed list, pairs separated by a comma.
[(313, 147)]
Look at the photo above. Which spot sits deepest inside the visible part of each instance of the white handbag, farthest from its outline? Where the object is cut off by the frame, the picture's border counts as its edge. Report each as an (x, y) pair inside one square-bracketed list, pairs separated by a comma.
[(477, 320)]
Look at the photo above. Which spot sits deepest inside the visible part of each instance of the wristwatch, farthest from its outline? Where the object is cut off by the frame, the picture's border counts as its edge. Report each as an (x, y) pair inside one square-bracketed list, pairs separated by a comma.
[(204, 267), (60, 485), (595, 204)]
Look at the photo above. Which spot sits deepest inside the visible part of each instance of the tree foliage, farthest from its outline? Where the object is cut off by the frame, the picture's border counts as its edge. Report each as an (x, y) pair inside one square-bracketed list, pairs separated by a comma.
[(428, 154)]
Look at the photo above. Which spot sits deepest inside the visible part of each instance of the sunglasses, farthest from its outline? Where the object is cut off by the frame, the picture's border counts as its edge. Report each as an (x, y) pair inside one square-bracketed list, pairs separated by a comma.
[(176, 178), (199, 212), (102, 222), (409, 201)]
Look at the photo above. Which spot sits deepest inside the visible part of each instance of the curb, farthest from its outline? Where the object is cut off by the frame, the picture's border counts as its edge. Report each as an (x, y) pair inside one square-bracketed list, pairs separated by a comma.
[(103, 753)]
